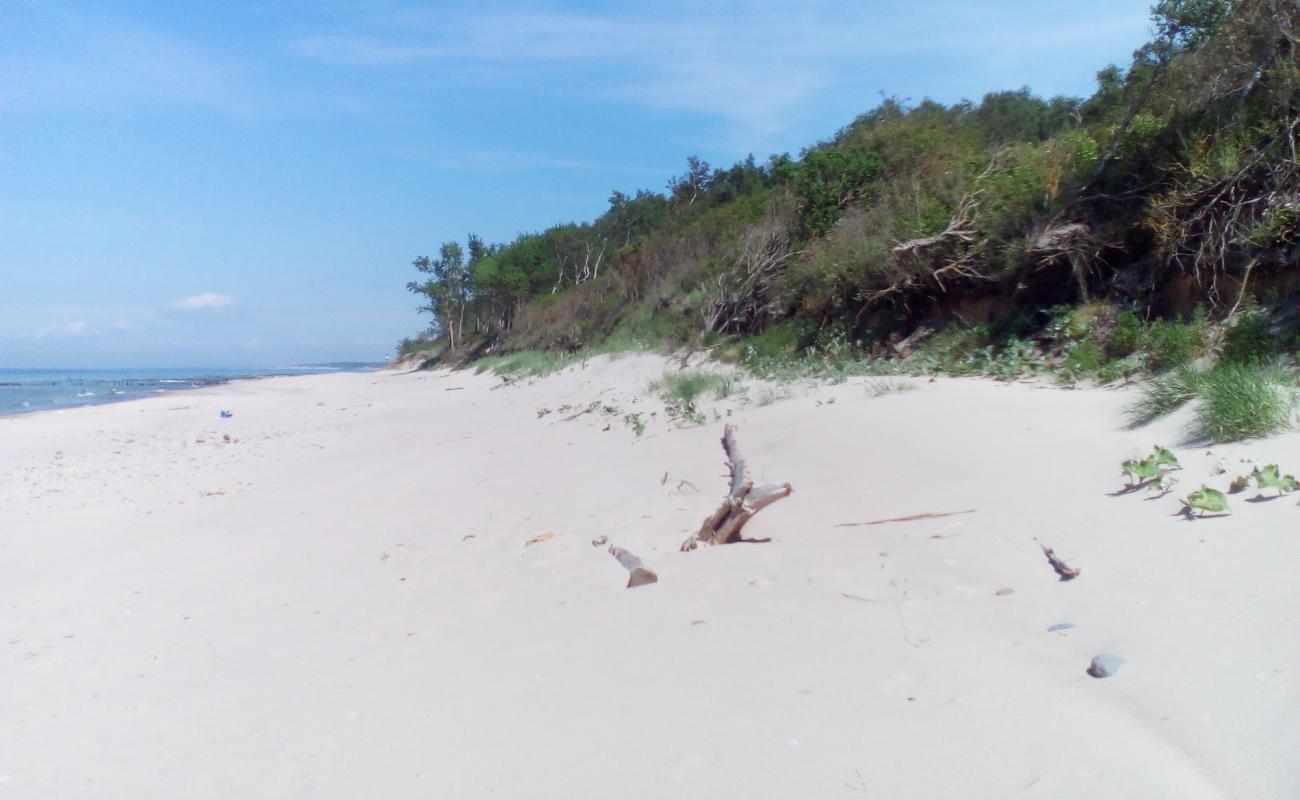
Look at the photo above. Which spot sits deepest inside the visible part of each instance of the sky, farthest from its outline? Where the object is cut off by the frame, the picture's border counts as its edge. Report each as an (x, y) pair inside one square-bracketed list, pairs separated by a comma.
[(246, 183)]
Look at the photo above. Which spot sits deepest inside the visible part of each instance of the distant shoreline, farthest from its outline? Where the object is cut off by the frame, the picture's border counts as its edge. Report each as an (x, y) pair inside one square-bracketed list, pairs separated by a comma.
[(27, 391)]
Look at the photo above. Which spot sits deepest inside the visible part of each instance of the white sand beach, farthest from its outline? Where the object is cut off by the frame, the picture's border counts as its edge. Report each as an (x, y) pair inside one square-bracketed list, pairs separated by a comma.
[(336, 601)]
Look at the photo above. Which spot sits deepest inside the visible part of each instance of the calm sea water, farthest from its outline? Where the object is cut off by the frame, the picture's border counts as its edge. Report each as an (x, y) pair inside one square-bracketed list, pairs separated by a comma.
[(24, 390)]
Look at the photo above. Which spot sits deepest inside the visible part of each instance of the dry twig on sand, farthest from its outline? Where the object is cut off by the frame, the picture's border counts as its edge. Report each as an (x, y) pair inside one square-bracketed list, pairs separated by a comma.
[(908, 518)]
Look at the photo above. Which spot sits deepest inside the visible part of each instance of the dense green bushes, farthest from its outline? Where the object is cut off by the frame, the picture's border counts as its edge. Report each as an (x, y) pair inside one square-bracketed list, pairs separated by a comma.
[(1067, 235)]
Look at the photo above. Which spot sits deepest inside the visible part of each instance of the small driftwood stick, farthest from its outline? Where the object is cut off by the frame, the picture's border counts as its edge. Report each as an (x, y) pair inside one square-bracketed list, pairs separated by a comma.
[(639, 574), (1063, 569), (742, 502), (908, 518)]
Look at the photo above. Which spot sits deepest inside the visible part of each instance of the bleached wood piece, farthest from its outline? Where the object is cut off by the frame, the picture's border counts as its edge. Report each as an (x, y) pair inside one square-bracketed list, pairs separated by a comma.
[(742, 502), (639, 574)]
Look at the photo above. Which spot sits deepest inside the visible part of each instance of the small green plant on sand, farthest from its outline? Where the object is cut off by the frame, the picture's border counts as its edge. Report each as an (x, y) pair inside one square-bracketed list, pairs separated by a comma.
[(682, 391), (1271, 477), (1151, 470), (1206, 500), (635, 422)]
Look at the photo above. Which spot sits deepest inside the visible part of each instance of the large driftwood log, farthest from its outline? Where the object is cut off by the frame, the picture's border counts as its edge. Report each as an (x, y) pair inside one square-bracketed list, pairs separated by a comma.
[(742, 502)]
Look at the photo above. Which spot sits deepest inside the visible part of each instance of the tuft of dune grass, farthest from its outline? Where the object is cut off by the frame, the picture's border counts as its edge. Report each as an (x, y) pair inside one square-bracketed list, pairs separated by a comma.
[(526, 363), (1233, 401), (1243, 401), (1165, 394), (684, 388)]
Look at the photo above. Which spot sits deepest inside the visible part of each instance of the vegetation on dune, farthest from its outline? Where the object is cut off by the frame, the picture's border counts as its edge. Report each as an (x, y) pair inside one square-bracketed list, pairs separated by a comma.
[(1151, 228), (1240, 402)]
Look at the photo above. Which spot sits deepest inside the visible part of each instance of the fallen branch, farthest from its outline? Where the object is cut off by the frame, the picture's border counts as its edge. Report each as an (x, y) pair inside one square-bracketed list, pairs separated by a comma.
[(908, 518), (640, 575), (1063, 569), (741, 503)]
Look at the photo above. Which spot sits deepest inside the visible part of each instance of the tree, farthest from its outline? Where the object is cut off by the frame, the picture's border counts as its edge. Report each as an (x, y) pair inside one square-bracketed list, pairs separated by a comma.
[(448, 289), (691, 184)]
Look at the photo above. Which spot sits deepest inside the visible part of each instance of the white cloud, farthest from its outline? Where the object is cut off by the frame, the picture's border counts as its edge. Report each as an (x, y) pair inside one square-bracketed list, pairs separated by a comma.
[(206, 301), (69, 329)]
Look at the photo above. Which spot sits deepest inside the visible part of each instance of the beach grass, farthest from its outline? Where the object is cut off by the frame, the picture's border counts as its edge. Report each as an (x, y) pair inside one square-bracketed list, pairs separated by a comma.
[(1234, 401), (1165, 394), (524, 364), (1243, 401), (685, 388)]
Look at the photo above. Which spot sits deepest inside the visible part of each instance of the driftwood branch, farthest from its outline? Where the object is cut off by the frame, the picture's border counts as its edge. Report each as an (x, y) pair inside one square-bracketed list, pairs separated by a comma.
[(742, 502), (1064, 570), (639, 575)]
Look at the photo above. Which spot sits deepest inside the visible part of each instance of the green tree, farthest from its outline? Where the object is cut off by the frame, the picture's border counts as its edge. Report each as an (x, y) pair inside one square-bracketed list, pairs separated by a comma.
[(447, 290)]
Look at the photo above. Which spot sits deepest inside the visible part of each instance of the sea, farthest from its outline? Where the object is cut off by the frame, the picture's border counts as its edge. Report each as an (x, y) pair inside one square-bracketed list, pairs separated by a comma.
[(25, 390)]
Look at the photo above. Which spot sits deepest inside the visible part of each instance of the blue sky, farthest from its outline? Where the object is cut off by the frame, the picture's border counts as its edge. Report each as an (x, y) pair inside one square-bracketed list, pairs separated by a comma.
[(245, 184)]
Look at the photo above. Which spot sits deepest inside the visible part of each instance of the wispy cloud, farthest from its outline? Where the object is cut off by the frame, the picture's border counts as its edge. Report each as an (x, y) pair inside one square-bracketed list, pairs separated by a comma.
[(494, 160), (60, 331), (206, 301), (112, 65), (753, 67)]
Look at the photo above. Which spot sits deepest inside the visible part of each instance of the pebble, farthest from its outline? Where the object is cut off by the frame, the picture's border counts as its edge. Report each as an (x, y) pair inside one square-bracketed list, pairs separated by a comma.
[(1060, 626), (1105, 665)]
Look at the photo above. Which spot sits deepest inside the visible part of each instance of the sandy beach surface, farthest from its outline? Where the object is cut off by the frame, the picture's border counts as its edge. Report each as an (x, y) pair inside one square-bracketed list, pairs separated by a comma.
[(329, 595)]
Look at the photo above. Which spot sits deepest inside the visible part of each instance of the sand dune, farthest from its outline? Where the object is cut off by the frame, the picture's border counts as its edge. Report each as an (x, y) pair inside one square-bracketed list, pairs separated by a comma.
[(336, 601)]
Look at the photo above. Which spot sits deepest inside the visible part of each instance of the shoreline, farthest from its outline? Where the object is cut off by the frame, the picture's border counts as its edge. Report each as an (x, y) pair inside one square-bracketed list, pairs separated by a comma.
[(332, 590), (198, 381)]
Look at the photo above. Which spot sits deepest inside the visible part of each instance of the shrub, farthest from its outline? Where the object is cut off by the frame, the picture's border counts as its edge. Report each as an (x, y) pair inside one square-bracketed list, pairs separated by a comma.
[(1240, 401), (1081, 360), (1248, 340), (1126, 336), (1169, 344), (779, 341)]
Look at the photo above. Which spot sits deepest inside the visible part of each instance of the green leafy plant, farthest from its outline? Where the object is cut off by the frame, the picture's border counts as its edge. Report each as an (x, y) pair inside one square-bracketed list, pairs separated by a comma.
[(1169, 344), (1206, 500), (1248, 340), (1271, 477), (1151, 469), (1126, 336)]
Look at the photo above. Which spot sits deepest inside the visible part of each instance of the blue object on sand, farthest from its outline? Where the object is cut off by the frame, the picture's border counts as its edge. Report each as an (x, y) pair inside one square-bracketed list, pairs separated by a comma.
[(1104, 665), (226, 414)]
